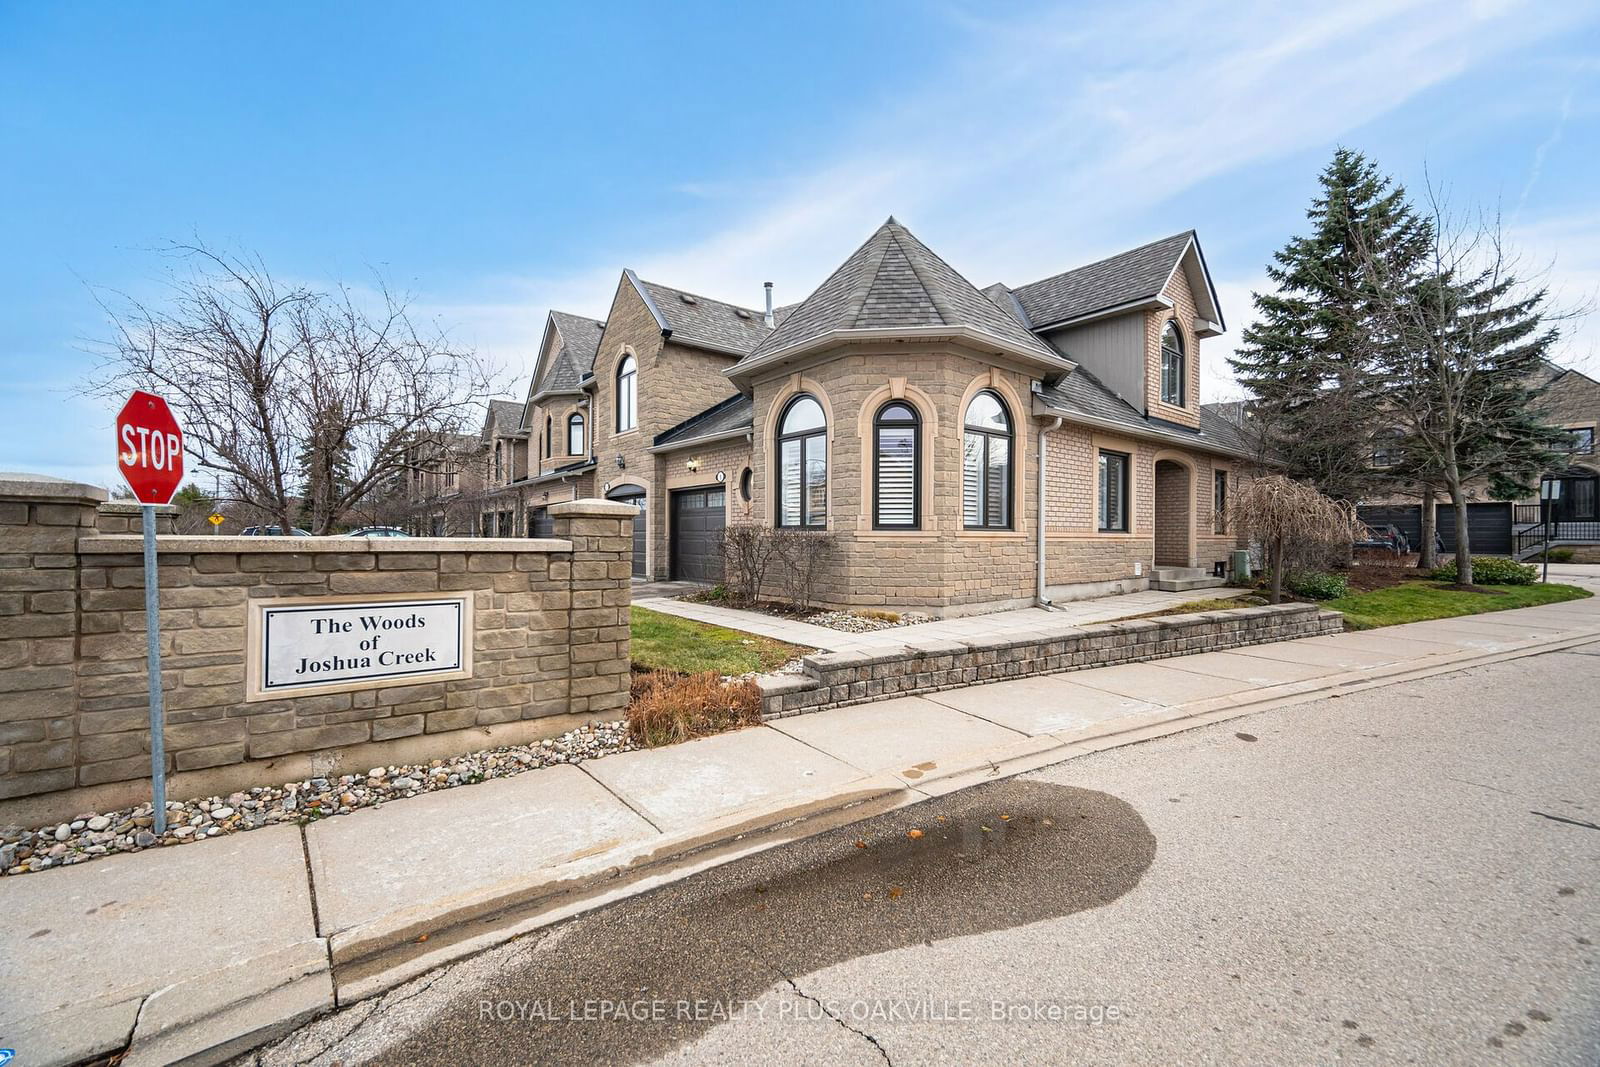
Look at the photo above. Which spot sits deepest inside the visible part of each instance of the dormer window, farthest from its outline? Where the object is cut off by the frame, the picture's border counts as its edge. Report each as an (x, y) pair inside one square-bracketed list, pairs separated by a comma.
[(1173, 372)]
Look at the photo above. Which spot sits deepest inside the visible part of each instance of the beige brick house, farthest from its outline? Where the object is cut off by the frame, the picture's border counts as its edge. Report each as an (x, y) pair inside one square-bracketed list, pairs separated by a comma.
[(906, 413)]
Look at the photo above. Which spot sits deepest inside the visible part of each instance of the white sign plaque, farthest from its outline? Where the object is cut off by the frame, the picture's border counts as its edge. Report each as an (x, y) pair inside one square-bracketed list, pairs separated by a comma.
[(301, 646)]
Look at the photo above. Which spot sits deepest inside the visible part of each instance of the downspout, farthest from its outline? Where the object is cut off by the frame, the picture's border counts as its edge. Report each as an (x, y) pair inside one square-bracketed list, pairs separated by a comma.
[(1039, 598)]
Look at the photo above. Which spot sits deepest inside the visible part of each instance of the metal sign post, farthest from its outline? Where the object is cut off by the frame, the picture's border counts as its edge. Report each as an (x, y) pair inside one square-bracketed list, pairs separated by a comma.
[(150, 456), (152, 635)]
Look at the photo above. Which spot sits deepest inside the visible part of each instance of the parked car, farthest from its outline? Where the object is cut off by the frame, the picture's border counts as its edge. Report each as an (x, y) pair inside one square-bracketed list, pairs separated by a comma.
[(378, 531), (272, 531), (1385, 536)]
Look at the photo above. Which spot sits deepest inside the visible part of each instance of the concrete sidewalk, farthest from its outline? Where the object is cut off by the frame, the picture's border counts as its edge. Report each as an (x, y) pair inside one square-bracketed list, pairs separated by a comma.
[(208, 949), (1020, 620)]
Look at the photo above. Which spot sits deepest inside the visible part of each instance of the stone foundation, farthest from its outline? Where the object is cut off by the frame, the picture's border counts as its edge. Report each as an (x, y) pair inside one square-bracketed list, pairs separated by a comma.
[(836, 679)]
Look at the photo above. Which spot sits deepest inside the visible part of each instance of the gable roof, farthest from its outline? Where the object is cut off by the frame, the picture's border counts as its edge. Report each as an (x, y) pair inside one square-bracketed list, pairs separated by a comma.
[(699, 321), (505, 416), (1126, 278), (580, 343), (893, 285)]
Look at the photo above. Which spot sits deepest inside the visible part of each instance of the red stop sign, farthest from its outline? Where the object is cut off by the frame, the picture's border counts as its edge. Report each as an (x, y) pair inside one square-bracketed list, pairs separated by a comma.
[(149, 448)]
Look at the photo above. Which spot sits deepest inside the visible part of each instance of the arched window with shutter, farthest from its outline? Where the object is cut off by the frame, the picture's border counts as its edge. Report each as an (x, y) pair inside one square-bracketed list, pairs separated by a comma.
[(803, 464), (897, 467), (986, 464)]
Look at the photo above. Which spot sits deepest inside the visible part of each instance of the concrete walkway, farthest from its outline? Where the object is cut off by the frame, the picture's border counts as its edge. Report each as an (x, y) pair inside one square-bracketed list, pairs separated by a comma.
[(209, 948), (795, 632)]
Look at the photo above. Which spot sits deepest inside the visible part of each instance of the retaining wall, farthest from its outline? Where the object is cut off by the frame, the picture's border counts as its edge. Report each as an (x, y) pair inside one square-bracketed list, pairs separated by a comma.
[(835, 679), (548, 649)]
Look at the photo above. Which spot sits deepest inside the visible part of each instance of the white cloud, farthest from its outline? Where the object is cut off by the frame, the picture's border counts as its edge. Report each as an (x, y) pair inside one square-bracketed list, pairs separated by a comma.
[(1049, 141)]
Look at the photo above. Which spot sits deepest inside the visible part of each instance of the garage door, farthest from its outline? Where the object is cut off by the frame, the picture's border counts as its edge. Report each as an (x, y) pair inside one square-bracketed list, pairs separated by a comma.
[(1488, 525), (640, 541), (698, 517)]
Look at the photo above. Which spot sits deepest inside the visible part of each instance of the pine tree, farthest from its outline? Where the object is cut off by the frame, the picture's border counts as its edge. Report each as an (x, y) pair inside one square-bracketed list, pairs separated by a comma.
[(1312, 358)]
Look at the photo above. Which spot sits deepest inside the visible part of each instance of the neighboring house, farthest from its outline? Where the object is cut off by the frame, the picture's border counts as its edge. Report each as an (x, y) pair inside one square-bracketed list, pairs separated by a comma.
[(902, 410), (1569, 399), (444, 484)]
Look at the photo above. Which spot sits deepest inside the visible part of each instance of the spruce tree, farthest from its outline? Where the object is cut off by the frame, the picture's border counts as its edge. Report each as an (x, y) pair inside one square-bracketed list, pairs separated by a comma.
[(1313, 356)]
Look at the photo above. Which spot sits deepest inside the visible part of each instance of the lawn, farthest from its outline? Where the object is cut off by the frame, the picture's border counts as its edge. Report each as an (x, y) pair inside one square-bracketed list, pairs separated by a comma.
[(666, 642), (1419, 600)]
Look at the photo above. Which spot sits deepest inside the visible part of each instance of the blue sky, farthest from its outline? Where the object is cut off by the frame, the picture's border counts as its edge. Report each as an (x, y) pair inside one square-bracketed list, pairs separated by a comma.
[(499, 159)]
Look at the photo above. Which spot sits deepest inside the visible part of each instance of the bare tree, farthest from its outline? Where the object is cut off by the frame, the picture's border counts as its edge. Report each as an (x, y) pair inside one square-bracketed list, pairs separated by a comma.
[(1466, 338), (301, 399), (1292, 521)]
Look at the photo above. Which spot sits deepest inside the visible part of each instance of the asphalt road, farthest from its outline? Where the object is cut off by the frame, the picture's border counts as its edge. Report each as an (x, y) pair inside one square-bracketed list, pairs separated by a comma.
[(1408, 874)]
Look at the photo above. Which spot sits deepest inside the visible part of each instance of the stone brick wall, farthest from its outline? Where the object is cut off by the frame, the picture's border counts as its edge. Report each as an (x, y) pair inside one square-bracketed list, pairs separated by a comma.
[(1183, 312), (836, 679), (550, 646)]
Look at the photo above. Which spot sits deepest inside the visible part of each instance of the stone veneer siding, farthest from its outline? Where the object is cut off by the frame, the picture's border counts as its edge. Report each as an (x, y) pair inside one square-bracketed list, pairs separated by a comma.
[(836, 679), (551, 648)]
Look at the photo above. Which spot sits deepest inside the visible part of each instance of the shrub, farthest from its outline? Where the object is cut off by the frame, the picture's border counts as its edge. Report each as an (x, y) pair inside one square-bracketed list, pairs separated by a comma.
[(1319, 585), (748, 550), (1557, 555), (668, 707), (1492, 570), (801, 556)]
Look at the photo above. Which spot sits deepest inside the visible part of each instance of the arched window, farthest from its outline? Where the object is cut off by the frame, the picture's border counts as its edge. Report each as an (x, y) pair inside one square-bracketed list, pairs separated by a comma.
[(986, 464), (897, 448), (575, 434), (497, 465), (549, 438), (803, 464), (1173, 374), (627, 394)]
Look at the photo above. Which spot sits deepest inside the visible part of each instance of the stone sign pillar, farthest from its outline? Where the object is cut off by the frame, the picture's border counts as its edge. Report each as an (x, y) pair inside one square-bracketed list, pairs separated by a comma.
[(41, 520)]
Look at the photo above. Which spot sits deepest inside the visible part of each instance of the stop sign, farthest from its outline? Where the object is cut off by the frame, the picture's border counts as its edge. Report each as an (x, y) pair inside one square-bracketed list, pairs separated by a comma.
[(149, 448)]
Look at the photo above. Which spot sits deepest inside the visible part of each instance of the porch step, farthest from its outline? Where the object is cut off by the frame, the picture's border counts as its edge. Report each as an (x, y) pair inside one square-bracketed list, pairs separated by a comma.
[(1182, 579)]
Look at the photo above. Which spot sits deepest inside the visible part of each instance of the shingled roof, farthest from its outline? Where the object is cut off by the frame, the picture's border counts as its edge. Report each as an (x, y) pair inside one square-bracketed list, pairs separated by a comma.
[(1083, 395), (725, 417), (703, 322), (504, 415), (580, 341), (894, 282), (1127, 277)]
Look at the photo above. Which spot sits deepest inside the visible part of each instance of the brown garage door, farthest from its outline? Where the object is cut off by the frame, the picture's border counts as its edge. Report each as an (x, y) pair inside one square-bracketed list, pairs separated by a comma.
[(698, 518)]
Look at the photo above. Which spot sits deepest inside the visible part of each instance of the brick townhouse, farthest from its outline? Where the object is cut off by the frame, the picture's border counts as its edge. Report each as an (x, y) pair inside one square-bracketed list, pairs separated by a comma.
[(966, 449)]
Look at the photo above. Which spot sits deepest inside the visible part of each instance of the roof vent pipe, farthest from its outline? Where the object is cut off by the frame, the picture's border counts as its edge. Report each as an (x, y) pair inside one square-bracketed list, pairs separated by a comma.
[(768, 287)]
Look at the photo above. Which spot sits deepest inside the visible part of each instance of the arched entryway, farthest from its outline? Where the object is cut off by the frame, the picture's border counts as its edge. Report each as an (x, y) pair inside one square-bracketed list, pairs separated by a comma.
[(634, 494), (1174, 514)]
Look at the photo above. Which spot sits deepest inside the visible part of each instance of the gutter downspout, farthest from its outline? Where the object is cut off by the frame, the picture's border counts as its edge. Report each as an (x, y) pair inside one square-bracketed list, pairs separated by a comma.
[(1039, 598)]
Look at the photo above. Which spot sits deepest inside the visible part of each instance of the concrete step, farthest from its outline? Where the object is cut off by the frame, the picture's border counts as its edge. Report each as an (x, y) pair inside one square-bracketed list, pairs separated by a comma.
[(1167, 574), (1183, 585)]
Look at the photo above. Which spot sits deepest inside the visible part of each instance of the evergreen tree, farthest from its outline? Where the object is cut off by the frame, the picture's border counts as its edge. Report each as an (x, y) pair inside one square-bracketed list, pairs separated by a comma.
[(1313, 357)]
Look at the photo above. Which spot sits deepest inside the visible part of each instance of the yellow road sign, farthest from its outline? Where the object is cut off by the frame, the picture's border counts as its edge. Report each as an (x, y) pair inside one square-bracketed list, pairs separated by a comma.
[(214, 519)]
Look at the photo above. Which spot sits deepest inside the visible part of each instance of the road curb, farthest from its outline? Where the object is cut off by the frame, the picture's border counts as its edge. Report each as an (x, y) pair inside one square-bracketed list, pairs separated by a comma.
[(376, 957)]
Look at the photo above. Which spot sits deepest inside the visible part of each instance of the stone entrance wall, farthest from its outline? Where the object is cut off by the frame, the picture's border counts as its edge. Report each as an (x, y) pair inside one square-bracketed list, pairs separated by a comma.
[(550, 649)]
